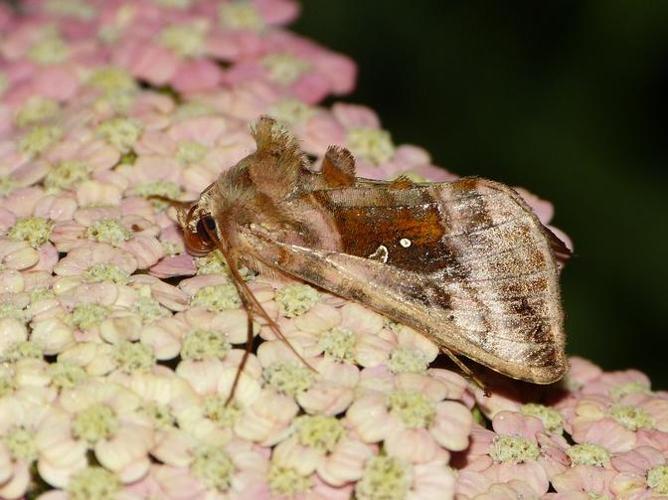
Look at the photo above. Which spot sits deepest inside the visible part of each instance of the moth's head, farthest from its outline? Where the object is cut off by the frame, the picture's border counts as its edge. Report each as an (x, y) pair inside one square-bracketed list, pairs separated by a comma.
[(199, 225)]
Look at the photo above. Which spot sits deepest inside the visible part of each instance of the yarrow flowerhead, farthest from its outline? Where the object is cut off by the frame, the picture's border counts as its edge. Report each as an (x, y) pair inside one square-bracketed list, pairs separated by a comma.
[(120, 352)]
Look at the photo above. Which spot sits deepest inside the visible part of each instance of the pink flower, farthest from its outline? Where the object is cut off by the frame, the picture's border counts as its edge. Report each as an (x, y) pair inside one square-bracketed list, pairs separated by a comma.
[(99, 416), (414, 421), (24, 228), (618, 425), (100, 261), (132, 233), (358, 128), (297, 67), (191, 153), (211, 470), (76, 160), (245, 101), (581, 372), (19, 420), (471, 484), (119, 351), (386, 476), (178, 52), (582, 481), (618, 384), (6, 16), (284, 483), (321, 444), (518, 448), (49, 64), (250, 15), (643, 473)]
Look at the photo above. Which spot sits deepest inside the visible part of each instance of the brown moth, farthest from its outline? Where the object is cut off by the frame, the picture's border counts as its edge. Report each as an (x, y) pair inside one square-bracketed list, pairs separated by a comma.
[(465, 263)]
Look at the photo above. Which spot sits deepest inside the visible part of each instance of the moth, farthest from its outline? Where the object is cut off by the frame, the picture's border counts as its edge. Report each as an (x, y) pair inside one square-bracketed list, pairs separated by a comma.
[(465, 263)]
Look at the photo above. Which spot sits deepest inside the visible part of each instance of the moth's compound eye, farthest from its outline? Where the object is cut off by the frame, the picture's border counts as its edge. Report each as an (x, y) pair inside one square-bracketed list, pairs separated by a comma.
[(207, 224), (199, 233)]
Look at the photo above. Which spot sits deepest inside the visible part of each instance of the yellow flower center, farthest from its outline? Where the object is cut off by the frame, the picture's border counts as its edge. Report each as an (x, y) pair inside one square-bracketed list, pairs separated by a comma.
[(95, 423), (588, 454), (214, 467), (320, 432), (285, 68), (288, 378), (186, 40), (287, 481), (513, 449), (384, 478), (414, 408)]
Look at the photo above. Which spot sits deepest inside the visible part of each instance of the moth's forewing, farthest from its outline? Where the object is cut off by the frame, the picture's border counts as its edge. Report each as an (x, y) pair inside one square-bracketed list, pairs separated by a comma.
[(466, 263)]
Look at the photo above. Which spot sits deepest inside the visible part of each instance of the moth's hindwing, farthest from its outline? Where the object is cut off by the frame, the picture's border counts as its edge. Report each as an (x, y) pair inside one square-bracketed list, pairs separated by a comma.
[(466, 263)]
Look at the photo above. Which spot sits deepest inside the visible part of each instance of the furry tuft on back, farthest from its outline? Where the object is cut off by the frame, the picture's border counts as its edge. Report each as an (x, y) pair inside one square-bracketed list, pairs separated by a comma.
[(278, 158)]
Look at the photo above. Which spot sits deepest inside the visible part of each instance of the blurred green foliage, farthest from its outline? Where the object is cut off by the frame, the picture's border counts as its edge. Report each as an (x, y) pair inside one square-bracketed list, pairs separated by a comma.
[(566, 98)]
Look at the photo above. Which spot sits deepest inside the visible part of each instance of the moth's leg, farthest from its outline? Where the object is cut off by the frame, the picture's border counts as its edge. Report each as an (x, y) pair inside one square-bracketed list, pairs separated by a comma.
[(467, 371), (249, 348), (244, 290), (247, 294)]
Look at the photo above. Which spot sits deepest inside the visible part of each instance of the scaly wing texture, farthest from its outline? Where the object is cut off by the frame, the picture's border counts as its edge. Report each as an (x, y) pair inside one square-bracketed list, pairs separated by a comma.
[(466, 263)]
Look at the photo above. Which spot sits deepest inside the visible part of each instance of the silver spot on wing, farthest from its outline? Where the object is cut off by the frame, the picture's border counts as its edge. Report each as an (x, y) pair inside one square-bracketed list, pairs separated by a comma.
[(381, 254)]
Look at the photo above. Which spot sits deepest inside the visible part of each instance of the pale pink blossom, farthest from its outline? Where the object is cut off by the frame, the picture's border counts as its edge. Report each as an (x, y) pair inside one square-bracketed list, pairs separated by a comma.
[(19, 420), (50, 64), (581, 372), (119, 351), (389, 476), (232, 469), (518, 448), (214, 332), (96, 478), (377, 157), (615, 423), (167, 295), (98, 257), (414, 421), (581, 482), (297, 67), (321, 444), (99, 416), (132, 233), (251, 15), (178, 53), (255, 414), (174, 265), (192, 152), (642, 473), (245, 101), (618, 384), (471, 484)]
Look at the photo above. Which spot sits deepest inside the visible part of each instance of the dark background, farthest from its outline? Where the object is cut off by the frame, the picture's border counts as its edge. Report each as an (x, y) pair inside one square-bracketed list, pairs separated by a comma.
[(566, 98)]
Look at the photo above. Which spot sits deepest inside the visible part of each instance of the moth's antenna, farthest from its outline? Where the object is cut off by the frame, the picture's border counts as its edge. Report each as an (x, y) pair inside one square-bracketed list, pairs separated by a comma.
[(249, 300), (183, 205)]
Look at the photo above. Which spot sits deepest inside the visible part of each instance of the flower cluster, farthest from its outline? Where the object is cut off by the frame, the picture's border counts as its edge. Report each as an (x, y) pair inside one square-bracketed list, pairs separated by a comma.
[(118, 350)]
